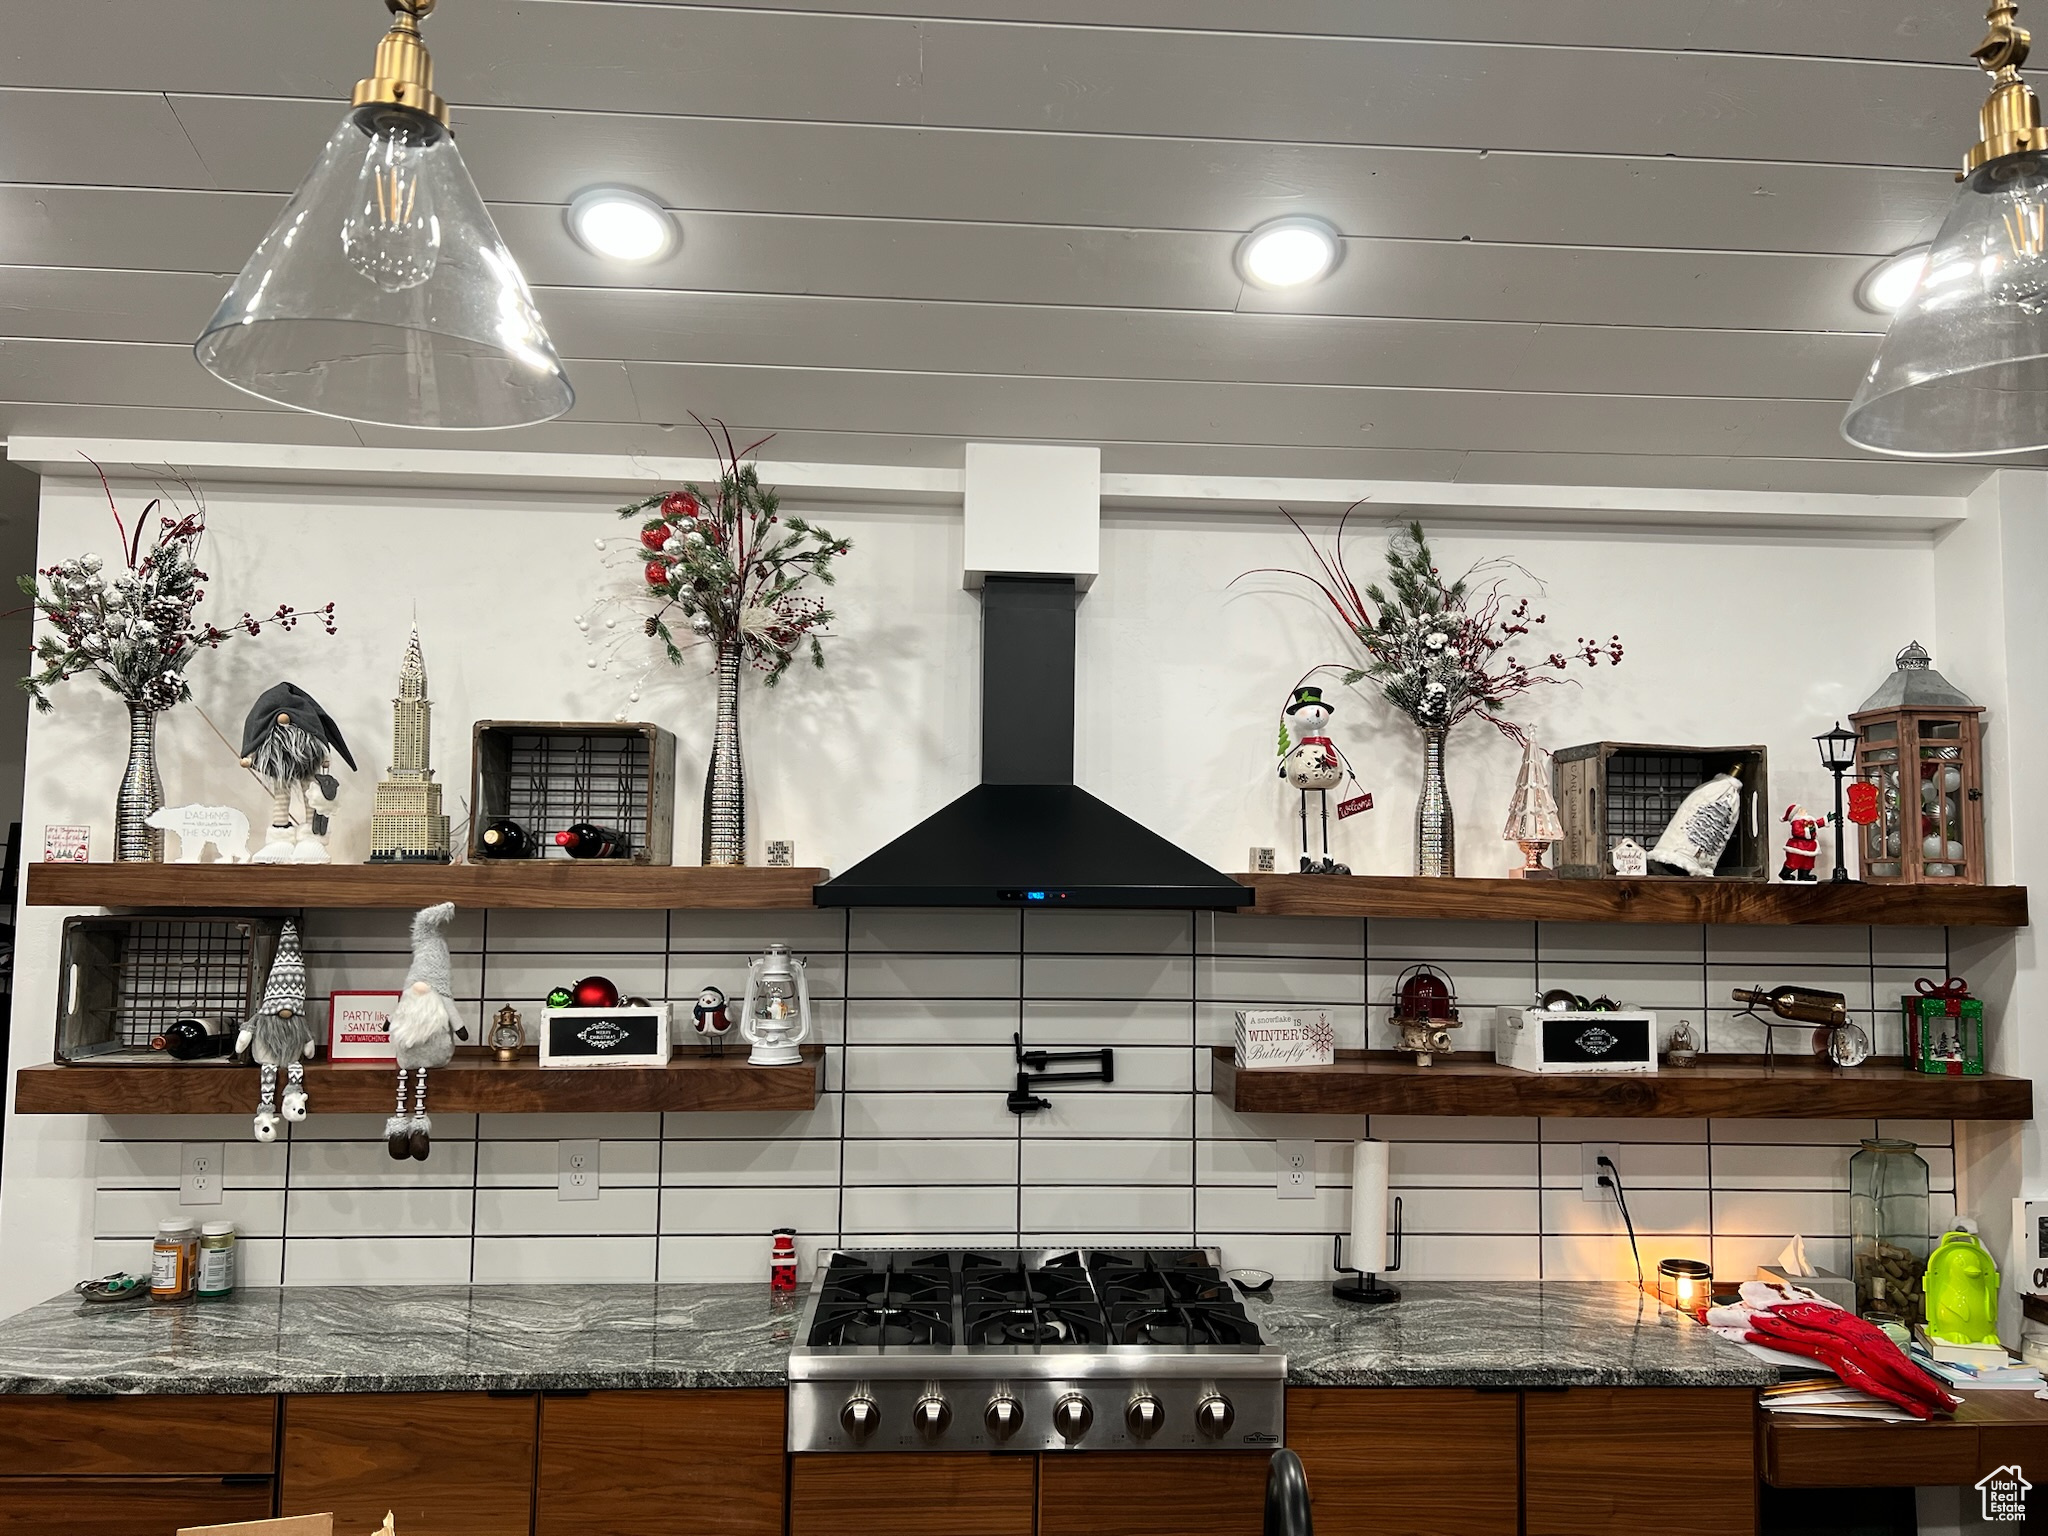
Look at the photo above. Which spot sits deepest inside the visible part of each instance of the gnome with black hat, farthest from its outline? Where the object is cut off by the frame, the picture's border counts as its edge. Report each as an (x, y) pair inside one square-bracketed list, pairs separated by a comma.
[(287, 740), (424, 1029), (281, 1034), (1311, 763)]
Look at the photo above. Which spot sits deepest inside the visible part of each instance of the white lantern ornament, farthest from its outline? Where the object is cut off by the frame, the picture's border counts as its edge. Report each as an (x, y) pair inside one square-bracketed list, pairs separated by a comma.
[(777, 1015)]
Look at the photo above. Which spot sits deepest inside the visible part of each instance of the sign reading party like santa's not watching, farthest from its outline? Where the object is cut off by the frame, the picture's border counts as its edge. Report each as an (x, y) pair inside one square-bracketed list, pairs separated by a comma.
[(359, 1026)]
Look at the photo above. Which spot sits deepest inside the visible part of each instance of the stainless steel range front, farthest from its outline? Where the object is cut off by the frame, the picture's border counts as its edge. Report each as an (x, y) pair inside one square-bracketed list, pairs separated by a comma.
[(1022, 1350)]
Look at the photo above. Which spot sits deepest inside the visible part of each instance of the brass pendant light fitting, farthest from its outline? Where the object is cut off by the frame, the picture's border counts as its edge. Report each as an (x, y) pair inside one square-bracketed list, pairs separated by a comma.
[(403, 75), (2009, 122)]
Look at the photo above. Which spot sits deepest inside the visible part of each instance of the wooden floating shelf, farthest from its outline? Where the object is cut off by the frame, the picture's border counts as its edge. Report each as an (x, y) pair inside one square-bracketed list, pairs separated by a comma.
[(1718, 902), (528, 883), (469, 1084), (1728, 1088)]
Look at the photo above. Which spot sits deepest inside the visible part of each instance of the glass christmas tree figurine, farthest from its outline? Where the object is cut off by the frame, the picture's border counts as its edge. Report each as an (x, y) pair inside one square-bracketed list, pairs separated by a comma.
[(1533, 822)]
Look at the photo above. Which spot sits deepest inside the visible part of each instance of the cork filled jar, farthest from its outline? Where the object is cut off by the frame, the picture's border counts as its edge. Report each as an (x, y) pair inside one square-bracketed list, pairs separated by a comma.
[(1889, 1222)]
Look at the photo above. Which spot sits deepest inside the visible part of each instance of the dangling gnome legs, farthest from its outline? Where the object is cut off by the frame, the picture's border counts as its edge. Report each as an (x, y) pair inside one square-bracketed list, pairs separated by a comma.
[(424, 1028), (280, 1034)]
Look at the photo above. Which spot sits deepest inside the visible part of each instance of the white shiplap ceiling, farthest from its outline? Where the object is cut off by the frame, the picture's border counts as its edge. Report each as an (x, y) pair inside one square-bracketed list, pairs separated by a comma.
[(1609, 242)]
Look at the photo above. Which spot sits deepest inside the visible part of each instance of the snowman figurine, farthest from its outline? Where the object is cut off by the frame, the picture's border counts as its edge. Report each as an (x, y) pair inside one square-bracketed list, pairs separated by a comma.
[(1313, 765)]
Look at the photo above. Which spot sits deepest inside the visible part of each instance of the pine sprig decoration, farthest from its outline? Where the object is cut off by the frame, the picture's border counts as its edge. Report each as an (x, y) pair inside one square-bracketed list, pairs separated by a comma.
[(1440, 651), (729, 565), (136, 629)]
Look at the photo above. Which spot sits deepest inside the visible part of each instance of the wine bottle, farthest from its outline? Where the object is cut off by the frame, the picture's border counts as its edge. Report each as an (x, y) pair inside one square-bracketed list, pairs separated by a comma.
[(193, 1039), (584, 841), (504, 838)]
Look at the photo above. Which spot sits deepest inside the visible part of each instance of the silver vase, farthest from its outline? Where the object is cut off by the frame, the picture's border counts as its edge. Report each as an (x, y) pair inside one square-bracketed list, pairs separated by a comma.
[(1436, 836), (142, 794), (725, 784)]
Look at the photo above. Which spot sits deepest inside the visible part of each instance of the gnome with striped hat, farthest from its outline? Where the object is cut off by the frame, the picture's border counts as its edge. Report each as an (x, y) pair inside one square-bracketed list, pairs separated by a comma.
[(281, 1034)]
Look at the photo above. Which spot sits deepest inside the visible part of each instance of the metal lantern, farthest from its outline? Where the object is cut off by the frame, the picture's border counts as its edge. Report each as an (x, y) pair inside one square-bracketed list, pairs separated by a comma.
[(1919, 742), (1425, 1011), (777, 1013)]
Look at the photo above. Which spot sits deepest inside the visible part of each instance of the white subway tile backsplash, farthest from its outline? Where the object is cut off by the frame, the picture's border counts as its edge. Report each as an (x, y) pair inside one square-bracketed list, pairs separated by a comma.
[(912, 1145)]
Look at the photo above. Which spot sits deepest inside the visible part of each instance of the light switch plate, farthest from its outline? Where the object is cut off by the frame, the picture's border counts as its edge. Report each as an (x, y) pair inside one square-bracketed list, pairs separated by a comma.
[(1294, 1169), (199, 1173), (576, 1170), (1590, 1171)]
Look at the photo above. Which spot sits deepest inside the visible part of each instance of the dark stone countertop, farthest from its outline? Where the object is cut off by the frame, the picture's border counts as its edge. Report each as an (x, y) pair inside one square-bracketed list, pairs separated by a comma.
[(527, 1338)]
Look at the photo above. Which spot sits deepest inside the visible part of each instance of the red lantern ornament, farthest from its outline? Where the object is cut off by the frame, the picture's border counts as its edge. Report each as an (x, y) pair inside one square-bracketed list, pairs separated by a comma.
[(1863, 803), (654, 537), (680, 504), (595, 992), (657, 573)]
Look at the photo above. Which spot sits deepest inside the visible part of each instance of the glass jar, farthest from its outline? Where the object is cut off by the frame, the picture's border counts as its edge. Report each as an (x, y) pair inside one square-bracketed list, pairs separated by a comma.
[(1686, 1284), (1889, 1222), (217, 1253), (174, 1261)]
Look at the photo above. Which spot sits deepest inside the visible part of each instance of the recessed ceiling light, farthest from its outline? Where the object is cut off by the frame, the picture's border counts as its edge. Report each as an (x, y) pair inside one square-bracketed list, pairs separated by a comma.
[(1891, 282), (1287, 253), (621, 225)]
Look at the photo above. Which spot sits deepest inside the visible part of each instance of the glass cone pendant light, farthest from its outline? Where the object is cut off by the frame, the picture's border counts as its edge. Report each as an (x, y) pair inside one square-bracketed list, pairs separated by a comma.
[(383, 293), (1963, 372)]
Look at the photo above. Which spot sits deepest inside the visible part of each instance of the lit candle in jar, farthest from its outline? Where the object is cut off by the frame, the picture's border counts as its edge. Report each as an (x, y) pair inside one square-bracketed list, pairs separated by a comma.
[(1686, 1284)]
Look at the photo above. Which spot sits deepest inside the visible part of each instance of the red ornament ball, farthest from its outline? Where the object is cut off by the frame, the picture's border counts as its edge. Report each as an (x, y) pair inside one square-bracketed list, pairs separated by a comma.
[(680, 504), (655, 536), (595, 992), (657, 573)]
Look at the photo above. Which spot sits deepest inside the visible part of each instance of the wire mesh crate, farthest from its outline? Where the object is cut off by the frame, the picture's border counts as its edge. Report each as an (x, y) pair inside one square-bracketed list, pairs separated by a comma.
[(546, 775), (1609, 790), (124, 978)]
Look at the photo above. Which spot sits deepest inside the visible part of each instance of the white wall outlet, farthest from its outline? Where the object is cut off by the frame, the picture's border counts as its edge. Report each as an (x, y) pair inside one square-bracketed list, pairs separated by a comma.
[(199, 1173), (1294, 1165), (1590, 1171), (576, 1170)]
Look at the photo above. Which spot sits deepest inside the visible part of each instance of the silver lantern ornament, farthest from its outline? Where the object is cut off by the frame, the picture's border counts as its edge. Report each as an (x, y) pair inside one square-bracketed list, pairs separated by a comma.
[(776, 1017)]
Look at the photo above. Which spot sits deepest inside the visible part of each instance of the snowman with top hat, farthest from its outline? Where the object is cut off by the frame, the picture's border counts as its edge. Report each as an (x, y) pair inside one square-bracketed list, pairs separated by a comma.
[(1311, 763)]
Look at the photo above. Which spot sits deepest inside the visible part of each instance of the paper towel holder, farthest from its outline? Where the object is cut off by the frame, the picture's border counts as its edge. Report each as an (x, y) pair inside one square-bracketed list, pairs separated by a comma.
[(1366, 1289)]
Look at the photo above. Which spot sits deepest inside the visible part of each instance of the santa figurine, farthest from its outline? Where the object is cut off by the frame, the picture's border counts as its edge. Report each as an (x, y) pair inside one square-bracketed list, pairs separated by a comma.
[(710, 1019), (1311, 763), (1802, 843)]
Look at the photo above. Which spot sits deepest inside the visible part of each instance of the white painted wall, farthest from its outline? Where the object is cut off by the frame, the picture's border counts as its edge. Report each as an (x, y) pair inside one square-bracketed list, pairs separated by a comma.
[(1733, 636)]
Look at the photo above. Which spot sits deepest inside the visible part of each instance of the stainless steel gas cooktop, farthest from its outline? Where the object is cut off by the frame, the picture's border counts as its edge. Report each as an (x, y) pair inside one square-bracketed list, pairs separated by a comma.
[(1015, 1349)]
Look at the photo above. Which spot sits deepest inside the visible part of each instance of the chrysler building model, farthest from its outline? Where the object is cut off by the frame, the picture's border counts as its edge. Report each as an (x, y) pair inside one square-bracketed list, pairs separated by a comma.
[(406, 821)]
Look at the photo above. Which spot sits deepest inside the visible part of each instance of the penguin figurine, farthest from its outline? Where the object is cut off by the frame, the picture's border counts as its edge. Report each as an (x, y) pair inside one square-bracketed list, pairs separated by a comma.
[(1313, 765), (424, 1029), (287, 740), (280, 1034), (711, 1020)]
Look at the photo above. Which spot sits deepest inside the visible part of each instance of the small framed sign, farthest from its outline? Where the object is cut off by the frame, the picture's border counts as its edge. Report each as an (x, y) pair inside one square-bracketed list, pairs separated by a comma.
[(1269, 1038), (359, 1026), (626, 1036), (67, 845)]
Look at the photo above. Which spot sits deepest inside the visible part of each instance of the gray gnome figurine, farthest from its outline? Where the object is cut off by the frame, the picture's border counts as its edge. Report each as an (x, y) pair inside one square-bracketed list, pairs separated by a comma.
[(287, 740), (424, 1029), (280, 1034)]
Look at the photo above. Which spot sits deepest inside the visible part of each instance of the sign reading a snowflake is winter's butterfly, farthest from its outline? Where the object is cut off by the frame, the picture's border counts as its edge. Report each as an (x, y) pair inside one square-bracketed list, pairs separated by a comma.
[(1271, 1039)]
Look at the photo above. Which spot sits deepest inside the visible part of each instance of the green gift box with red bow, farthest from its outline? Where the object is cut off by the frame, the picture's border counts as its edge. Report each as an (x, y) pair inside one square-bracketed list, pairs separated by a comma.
[(1944, 1028)]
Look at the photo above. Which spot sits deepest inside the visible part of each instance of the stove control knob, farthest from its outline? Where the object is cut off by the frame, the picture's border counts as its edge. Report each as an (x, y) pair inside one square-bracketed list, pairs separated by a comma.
[(1144, 1416), (1071, 1416), (1004, 1416), (859, 1418), (1214, 1415), (932, 1416)]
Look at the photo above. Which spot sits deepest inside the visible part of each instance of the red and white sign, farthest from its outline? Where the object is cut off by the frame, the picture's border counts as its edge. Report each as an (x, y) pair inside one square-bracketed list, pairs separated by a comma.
[(67, 845), (359, 1026)]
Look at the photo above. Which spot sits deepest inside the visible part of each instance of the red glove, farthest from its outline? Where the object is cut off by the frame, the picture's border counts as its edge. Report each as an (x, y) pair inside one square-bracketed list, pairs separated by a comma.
[(1854, 1350)]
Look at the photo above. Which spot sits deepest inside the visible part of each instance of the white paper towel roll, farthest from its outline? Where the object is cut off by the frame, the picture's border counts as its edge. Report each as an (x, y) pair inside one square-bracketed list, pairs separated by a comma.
[(1366, 1248)]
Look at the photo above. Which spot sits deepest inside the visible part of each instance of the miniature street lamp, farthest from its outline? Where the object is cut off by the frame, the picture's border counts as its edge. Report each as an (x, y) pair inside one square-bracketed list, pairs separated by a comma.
[(1838, 756)]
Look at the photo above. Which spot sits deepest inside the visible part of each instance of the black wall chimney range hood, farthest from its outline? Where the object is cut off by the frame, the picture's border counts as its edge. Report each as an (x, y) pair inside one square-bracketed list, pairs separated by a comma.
[(1027, 835)]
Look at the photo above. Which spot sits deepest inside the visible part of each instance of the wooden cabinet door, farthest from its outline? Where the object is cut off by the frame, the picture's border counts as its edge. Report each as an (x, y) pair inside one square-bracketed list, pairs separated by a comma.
[(912, 1495), (1158, 1493), (653, 1463), (128, 1506), (1680, 1461), (138, 1436), (446, 1463), (1408, 1461)]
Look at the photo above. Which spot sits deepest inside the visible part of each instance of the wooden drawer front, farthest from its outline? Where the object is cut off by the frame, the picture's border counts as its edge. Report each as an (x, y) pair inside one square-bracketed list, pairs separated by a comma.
[(1165, 1493), (446, 1463), (1365, 1474), (652, 1463), (1680, 1461), (1813, 1453), (127, 1506), (962, 1495), (137, 1436)]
